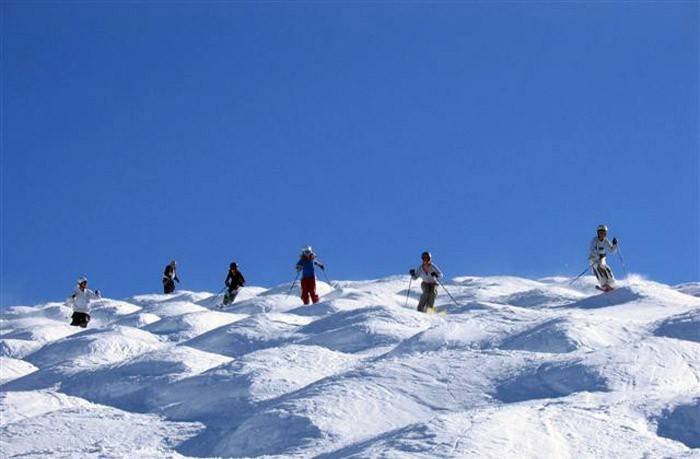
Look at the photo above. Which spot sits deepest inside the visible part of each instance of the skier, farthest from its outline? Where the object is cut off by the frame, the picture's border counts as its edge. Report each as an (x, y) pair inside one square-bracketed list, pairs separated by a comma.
[(430, 275), (170, 277), (597, 252), (305, 265), (80, 300), (234, 281)]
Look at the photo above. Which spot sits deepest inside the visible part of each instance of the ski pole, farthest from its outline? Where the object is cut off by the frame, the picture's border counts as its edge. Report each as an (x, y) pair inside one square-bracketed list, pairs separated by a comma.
[(579, 276), (622, 261), (293, 282), (408, 292), (447, 291), (219, 292), (327, 279)]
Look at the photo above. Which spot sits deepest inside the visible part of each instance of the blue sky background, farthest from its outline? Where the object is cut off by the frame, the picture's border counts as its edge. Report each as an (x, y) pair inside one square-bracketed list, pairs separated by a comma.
[(497, 135)]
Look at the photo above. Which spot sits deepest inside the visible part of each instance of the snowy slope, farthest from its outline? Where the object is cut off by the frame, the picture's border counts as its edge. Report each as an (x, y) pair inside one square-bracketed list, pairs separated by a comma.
[(518, 368)]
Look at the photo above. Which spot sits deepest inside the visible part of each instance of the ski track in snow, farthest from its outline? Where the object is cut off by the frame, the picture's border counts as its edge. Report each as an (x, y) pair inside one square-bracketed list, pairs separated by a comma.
[(519, 368)]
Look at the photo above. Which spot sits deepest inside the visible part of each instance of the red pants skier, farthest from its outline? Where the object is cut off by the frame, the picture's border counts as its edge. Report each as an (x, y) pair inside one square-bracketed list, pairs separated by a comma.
[(308, 290)]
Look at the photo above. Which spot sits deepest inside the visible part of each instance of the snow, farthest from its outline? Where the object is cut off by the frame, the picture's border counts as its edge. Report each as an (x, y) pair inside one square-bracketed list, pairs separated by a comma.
[(14, 368), (518, 368)]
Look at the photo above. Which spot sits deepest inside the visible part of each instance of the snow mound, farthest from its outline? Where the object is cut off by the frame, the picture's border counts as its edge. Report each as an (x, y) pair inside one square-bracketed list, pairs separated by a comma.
[(520, 430), (43, 424), (551, 380), (257, 332), (229, 391), (17, 348), (39, 330), (542, 297), (179, 296), (130, 384), (689, 288), (365, 328), (619, 296), (684, 326), (186, 326), (107, 311), (138, 320), (172, 309), (52, 311), (95, 347), (566, 334), (14, 368)]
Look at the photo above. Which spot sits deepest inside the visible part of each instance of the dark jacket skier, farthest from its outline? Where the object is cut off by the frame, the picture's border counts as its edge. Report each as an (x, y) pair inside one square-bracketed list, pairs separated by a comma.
[(234, 281), (170, 277), (430, 275)]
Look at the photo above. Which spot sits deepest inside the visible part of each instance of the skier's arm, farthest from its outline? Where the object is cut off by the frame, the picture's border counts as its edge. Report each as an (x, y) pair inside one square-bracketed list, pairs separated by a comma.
[(592, 253), (611, 248), (320, 265), (436, 272), (241, 278), (414, 273)]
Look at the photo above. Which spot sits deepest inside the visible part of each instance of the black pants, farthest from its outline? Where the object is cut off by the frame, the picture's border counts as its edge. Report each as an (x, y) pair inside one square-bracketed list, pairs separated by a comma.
[(427, 299), (230, 296), (168, 286), (80, 319)]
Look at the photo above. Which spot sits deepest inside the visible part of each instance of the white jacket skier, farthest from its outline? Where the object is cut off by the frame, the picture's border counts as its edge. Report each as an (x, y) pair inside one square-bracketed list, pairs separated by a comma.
[(429, 275), (82, 296)]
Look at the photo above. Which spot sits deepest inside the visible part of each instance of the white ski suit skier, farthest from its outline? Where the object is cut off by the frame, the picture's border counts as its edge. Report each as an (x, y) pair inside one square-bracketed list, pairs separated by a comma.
[(597, 253)]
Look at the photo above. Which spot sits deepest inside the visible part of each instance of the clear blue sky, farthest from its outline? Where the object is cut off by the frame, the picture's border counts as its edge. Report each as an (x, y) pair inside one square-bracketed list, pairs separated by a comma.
[(497, 135)]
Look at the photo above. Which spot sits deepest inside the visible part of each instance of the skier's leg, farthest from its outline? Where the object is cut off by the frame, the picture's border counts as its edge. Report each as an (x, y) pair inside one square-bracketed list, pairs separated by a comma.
[(74, 319), (610, 277), (312, 288), (423, 297), (305, 291), (232, 294), (596, 268), (432, 294)]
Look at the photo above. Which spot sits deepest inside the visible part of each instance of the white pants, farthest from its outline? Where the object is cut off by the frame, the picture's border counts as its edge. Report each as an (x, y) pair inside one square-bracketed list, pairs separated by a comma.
[(603, 273)]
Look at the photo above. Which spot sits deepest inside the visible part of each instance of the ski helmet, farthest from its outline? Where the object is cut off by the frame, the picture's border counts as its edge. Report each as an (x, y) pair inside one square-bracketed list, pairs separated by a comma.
[(426, 254), (603, 228), (82, 280), (173, 263), (233, 265), (307, 250)]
